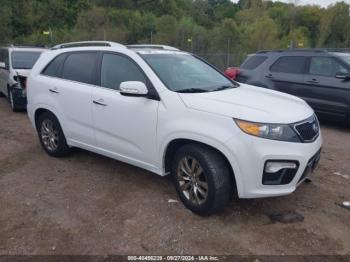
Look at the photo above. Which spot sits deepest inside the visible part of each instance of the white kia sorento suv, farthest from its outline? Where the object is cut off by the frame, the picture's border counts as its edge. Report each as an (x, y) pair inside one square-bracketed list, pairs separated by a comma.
[(170, 112)]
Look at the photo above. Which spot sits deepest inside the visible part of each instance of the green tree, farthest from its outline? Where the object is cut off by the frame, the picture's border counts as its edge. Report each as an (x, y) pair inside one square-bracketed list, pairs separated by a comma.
[(261, 34), (166, 30), (335, 26)]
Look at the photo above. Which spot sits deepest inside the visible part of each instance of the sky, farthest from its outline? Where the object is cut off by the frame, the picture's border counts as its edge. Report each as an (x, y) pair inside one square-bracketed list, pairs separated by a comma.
[(323, 3)]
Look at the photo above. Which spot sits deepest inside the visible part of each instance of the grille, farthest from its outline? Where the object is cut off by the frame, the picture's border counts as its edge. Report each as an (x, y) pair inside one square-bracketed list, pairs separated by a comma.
[(308, 130)]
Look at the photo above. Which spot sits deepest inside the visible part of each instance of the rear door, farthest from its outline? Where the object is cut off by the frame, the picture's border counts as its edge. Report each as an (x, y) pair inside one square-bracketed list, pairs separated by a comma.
[(71, 91), (287, 74), (327, 94)]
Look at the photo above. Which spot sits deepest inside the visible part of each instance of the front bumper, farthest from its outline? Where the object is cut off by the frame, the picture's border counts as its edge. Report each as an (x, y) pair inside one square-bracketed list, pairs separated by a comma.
[(252, 153)]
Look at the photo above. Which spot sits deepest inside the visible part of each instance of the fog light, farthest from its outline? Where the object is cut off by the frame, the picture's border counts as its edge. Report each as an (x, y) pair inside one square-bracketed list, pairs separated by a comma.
[(273, 167), (277, 172)]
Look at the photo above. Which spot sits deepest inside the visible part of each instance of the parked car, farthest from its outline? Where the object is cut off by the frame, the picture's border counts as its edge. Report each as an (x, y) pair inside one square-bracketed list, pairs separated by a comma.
[(15, 65), (169, 112), (319, 77)]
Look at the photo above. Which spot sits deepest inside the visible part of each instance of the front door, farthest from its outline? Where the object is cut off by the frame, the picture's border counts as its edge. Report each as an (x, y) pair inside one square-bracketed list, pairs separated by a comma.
[(327, 94), (125, 126)]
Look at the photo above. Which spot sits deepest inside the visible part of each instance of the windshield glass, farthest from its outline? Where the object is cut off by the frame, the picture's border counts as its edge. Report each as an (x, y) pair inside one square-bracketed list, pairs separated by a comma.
[(24, 60), (182, 72)]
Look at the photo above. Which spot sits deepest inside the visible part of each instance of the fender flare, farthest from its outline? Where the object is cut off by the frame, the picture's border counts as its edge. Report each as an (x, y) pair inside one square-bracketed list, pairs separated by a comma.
[(51, 109), (220, 146)]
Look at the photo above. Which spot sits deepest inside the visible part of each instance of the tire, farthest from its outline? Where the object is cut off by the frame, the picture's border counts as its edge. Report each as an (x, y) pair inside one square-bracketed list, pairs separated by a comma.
[(13, 106), (51, 135), (216, 175)]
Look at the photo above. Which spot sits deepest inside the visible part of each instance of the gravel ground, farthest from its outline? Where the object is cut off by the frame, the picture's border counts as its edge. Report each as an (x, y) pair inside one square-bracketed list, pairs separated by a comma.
[(89, 204)]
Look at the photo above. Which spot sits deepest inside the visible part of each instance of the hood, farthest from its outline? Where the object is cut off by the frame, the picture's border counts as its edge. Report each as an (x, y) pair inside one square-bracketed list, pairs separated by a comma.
[(23, 72), (250, 103)]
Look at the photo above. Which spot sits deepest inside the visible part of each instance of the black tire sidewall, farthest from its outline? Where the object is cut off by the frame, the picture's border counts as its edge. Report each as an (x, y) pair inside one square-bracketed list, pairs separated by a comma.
[(62, 148), (12, 104), (216, 192)]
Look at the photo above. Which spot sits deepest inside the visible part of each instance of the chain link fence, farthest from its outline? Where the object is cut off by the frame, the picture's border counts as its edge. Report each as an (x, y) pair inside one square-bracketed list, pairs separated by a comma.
[(223, 60)]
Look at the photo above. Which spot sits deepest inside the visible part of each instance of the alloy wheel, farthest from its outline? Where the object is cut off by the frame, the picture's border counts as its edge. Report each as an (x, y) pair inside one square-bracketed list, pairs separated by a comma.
[(49, 135), (192, 181)]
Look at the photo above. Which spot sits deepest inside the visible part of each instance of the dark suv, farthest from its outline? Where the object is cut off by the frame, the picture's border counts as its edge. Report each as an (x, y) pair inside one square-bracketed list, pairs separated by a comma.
[(320, 77)]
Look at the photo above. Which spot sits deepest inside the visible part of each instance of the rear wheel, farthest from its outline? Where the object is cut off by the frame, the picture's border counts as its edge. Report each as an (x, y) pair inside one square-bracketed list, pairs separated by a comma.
[(202, 179), (51, 135)]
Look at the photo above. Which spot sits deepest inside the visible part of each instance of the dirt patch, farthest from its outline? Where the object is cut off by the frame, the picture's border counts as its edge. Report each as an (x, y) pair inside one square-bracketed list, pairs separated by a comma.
[(89, 204), (286, 217)]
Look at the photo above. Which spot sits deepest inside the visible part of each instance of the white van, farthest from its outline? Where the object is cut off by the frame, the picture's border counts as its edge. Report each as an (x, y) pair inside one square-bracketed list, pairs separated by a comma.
[(15, 65)]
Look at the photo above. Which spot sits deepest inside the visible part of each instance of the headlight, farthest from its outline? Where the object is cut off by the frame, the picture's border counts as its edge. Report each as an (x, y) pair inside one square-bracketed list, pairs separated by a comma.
[(268, 131)]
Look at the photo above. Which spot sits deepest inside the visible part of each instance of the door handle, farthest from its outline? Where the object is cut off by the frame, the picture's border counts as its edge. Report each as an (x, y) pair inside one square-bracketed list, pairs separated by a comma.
[(313, 81), (269, 76), (55, 91), (99, 102)]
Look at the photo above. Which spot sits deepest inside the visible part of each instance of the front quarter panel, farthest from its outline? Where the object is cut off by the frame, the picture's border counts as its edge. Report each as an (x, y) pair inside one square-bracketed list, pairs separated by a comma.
[(207, 128)]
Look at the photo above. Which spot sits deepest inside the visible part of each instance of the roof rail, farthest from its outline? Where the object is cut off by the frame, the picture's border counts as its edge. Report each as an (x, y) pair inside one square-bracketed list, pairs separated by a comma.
[(162, 47), (87, 43), (293, 50)]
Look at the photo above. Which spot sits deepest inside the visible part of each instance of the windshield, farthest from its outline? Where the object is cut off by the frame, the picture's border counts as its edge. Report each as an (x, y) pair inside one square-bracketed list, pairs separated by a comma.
[(24, 60), (182, 72)]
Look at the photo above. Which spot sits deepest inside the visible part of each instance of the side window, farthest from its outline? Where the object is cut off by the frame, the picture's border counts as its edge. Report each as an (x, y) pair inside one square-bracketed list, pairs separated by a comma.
[(6, 56), (289, 64), (80, 67), (253, 62), (326, 66), (116, 69), (52, 69)]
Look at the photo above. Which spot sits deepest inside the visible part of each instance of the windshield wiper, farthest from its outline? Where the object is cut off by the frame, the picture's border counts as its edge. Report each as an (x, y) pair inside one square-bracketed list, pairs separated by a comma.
[(223, 87), (192, 90)]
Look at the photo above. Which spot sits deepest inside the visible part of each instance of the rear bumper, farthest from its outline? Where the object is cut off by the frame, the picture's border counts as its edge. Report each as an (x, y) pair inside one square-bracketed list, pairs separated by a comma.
[(19, 98)]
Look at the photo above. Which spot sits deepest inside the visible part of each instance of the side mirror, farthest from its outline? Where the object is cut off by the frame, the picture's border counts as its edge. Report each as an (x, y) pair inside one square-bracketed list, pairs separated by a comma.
[(133, 88), (342, 76), (2, 65)]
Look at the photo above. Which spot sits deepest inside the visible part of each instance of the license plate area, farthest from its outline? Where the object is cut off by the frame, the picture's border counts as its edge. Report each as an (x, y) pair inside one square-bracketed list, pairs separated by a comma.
[(311, 165)]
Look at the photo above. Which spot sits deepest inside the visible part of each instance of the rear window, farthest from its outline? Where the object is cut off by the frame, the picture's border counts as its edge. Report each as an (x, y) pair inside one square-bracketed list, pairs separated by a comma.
[(253, 62), (80, 67), (53, 68), (345, 57), (24, 60), (289, 64)]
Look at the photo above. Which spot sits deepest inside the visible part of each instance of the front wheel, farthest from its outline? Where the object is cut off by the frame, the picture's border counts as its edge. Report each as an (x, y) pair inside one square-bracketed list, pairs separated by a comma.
[(202, 179), (51, 135)]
